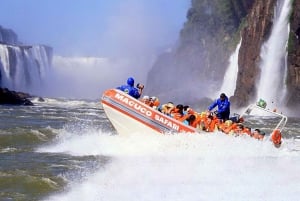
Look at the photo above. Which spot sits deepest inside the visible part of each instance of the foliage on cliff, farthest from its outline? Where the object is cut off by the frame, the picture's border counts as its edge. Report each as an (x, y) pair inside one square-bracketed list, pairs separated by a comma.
[(214, 18), (208, 33)]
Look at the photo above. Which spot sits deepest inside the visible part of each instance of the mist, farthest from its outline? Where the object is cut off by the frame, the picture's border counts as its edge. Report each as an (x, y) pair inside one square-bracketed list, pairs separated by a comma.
[(127, 46), (88, 77), (96, 44)]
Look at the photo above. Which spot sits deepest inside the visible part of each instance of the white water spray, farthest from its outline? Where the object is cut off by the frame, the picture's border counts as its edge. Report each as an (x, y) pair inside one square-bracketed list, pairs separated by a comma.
[(229, 82), (271, 86), (179, 167)]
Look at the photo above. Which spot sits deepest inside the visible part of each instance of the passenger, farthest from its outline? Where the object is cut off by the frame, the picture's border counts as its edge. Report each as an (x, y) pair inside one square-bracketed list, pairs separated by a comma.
[(177, 112), (191, 120), (154, 102), (186, 108), (131, 90), (248, 131), (210, 125), (166, 108), (190, 117), (258, 134), (146, 100), (203, 118), (276, 138), (241, 129), (223, 104), (227, 127)]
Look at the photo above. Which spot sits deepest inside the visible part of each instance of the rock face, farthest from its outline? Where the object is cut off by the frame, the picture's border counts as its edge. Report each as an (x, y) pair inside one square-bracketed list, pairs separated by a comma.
[(209, 36), (198, 64), (14, 98), (259, 23), (293, 79), (8, 36)]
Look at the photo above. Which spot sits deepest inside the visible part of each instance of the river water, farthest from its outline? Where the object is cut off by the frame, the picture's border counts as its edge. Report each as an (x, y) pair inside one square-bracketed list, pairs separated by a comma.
[(67, 150)]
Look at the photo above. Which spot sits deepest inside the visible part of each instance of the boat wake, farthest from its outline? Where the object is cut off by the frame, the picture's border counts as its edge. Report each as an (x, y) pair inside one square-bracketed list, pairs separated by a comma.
[(178, 167)]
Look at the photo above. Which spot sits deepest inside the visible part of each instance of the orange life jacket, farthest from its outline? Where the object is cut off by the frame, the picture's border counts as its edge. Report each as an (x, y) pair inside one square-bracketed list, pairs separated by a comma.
[(276, 137), (227, 127)]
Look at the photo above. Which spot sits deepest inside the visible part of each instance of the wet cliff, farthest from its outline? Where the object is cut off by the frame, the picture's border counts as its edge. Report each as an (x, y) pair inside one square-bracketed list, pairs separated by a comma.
[(293, 78), (259, 23), (197, 65), (212, 30), (256, 31)]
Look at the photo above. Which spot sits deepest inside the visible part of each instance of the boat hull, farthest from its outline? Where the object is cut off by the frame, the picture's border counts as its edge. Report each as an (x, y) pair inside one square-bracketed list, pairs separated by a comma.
[(129, 115)]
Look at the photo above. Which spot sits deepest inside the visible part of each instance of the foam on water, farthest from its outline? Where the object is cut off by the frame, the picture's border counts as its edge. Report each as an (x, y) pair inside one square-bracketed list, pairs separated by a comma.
[(181, 167)]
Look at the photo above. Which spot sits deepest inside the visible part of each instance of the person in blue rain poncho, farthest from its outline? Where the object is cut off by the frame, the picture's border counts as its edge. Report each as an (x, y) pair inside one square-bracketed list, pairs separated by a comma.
[(130, 89), (223, 104)]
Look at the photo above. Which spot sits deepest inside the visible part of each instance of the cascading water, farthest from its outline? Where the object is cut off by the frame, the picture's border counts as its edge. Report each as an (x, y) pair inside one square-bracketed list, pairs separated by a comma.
[(271, 86), (22, 68), (229, 82)]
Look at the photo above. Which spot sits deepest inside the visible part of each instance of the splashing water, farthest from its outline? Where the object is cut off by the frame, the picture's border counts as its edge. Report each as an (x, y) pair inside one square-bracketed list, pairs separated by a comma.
[(181, 167)]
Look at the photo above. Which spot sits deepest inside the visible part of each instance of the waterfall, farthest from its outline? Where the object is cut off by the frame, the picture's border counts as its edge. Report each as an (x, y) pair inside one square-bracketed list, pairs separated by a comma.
[(22, 68), (230, 77), (271, 86)]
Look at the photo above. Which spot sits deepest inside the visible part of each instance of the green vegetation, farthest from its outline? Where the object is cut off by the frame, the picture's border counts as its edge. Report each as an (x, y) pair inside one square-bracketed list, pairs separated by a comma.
[(291, 43), (216, 20)]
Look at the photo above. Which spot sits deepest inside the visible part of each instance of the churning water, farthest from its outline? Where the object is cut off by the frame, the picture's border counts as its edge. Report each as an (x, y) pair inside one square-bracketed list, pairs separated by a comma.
[(67, 150)]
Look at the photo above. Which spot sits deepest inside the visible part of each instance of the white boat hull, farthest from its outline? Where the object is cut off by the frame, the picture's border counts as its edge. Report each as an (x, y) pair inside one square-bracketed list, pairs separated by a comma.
[(129, 115), (124, 124)]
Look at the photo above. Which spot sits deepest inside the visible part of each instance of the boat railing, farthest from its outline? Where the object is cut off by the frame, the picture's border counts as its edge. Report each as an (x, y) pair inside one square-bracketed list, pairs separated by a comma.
[(281, 123)]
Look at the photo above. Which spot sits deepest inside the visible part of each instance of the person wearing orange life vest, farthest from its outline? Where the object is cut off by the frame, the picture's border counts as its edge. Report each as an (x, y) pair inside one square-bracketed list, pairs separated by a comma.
[(190, 118), (177, 112), (276, 138), (154, 102), (227, 127), (241, 129), (210, 124)]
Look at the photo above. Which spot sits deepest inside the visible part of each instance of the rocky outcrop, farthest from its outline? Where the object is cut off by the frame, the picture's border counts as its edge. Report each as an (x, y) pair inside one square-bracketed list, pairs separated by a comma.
[(14, 98), (259, 23), (8, 36), (256, 31), (293, 80), (198, 64), (209, 36)]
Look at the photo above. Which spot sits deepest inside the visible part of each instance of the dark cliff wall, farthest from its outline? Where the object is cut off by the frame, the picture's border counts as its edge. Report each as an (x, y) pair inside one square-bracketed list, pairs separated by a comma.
[(209, 36), (293, 80), (256, 31), (198, 64), (259, 23)]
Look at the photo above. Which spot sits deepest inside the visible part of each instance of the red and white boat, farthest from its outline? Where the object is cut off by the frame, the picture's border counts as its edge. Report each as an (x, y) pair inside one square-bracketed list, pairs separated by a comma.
[(128, 115)]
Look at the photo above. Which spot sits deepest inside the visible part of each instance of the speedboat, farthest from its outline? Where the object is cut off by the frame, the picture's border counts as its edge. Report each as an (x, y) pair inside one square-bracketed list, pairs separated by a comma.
[(129, 115)]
